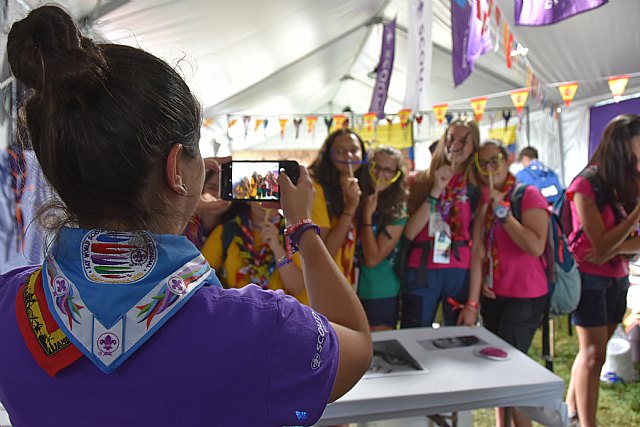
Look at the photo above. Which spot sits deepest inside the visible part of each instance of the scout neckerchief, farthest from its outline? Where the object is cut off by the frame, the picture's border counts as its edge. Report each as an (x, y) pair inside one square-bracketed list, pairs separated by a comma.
[(195, 232), (258, 263), (447, 206), (119, 289), (489, 232)]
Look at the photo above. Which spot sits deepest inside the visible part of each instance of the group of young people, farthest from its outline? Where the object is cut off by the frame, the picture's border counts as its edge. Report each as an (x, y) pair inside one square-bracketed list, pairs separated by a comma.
[(448, 236), (111, 296)]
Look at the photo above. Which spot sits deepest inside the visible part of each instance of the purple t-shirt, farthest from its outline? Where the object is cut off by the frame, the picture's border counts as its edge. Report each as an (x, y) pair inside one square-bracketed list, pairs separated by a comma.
[(229, 357)]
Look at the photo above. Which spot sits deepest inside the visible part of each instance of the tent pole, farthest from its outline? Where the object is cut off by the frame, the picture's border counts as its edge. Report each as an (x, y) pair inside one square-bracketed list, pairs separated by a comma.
[(561, 140)]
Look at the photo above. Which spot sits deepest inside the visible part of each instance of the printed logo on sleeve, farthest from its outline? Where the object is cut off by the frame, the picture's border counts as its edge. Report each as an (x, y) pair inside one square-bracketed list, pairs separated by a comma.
[(316, 361)]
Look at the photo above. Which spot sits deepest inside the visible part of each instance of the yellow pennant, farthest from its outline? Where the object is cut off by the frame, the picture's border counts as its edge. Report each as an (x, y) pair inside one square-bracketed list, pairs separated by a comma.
[(311, 123), (617, 86), (478, 105), (519, 98), (404, 115), (441, 111), (568, 91)]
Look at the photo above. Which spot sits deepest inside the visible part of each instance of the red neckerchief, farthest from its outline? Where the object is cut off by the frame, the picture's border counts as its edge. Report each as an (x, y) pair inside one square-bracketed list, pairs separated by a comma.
[(489, 229), (448, 206), (48, 345)]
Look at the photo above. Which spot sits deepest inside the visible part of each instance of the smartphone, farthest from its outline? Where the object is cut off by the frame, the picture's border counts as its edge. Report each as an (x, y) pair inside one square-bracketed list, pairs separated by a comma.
[(255, 180)]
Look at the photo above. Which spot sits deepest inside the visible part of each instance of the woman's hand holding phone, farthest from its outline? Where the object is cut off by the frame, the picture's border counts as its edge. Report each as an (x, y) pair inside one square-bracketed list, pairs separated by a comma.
[(296, 200)]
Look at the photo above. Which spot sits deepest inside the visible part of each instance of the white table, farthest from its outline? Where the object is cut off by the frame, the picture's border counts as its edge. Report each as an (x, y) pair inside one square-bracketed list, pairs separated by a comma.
[(455, 380)]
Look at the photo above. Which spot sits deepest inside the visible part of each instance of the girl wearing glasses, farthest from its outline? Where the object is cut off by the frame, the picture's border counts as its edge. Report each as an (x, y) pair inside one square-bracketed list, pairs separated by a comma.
[(384, 215), (605, 230), (336, 173), (507, 268), (441, 205)]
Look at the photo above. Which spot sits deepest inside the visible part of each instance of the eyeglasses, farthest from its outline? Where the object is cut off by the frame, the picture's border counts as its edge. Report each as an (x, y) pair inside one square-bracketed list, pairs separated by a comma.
[(483, 165), (389, 175)]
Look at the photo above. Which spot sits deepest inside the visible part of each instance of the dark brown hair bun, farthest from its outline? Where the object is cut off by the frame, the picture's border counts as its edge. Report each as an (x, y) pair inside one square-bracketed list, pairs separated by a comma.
[(48, 53)]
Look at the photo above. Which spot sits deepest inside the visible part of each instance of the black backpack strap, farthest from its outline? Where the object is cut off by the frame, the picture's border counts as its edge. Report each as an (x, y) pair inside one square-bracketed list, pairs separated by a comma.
[(591, 174), (516, 201)]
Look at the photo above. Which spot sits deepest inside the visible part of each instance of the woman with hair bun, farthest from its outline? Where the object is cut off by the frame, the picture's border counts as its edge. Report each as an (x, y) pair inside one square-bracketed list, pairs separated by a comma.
[(125, 323)]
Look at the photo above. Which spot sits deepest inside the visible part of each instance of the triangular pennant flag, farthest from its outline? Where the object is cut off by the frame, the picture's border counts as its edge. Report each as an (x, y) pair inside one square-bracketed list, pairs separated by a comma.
[(297, 122), (328, 121), (568, 91), (338, 120), (231, 123), (369, 118), (441, 112), (617, 86), (519, 98), (283, 124), (404, 115), (311, 123), (478, 105), (246, 120), (208, 122), (265, 124), (508, 44), (258, 123)]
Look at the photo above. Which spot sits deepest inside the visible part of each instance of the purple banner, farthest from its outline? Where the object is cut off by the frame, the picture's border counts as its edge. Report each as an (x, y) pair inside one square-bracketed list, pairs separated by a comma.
[(468, 39), (385, 67), (599, 118), (545, 12)]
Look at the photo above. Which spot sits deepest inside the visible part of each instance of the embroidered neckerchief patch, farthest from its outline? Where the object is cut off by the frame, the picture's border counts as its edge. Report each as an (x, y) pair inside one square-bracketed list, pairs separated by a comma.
[(109, 347), (104, 294), (48, 344)]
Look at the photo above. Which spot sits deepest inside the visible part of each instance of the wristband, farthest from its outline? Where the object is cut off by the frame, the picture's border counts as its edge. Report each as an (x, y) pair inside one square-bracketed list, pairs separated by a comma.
[(293, 233), (472, 305), (347, 213), (431, 200), (282, 262)]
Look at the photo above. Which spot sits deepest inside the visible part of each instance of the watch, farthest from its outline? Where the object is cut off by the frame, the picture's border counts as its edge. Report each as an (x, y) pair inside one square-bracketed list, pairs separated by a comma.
[(501, 211)]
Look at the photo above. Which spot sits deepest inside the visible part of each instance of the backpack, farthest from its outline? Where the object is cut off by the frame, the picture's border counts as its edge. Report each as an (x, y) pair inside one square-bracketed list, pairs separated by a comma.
[(563, 277), (543, 178)]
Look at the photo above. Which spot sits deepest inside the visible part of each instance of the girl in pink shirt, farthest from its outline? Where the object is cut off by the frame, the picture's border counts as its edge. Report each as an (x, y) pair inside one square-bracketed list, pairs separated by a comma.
[(603, 233), (440, 205), (507, 267)]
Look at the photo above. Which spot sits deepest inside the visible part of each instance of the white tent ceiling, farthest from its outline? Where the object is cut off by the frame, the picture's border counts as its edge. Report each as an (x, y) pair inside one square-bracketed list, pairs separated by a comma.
[(272, 57), (291, 56)]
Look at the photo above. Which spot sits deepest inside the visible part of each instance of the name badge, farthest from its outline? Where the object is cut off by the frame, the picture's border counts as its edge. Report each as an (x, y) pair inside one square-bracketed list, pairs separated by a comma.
[(442, 245)]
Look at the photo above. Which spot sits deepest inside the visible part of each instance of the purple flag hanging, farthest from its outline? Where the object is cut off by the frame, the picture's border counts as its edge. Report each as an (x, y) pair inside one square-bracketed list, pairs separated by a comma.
[(385, 67), (469, 41), (545, 12)]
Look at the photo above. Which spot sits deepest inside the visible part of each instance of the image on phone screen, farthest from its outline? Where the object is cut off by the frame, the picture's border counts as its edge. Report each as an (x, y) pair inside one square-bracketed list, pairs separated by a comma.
[(255, 181)]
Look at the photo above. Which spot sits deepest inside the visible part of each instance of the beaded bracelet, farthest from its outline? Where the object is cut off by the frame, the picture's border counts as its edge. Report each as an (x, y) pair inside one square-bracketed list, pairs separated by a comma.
[(294, 237)]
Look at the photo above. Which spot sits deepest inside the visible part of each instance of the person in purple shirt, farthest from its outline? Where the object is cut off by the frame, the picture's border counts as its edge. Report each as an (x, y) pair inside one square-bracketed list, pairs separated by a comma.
[(125, 323)]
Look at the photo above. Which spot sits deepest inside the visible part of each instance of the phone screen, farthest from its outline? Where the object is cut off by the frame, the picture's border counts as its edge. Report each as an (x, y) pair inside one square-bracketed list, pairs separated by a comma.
[(255, 181)]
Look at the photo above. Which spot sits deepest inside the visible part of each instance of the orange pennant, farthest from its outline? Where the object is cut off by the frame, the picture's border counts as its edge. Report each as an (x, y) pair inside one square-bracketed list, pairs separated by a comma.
[(231, 123), (207, 122), (617, 86), (338, 121), (478, 105), (568, 91), (258, 124), (519, 98), (311, 123), (404, 115), (441, 111), (283, 124)]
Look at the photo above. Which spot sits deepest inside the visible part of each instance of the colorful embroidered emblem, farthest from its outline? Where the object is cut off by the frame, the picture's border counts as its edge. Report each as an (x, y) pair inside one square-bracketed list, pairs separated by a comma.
[(107, 344), (118, 257), (49, 346)]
